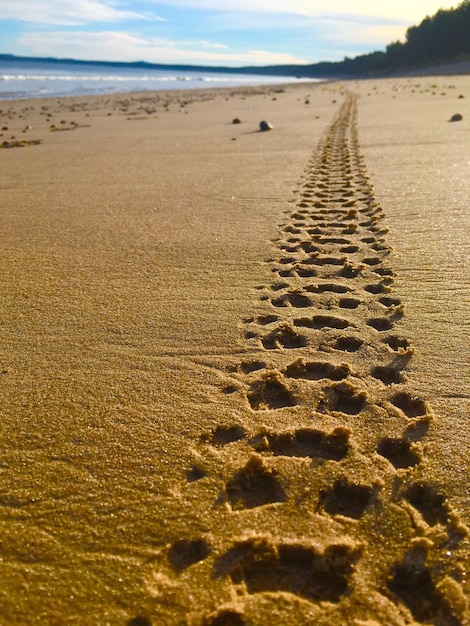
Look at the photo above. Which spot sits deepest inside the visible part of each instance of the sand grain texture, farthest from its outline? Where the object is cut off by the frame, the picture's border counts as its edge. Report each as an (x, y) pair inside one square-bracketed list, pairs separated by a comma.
[(227, 394)]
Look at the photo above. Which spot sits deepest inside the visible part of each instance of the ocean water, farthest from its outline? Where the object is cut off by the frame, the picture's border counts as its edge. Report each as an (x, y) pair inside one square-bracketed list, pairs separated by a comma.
[(21, 79)]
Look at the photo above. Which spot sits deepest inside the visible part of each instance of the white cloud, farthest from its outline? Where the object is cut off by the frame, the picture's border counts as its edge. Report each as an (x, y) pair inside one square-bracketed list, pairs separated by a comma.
[(207, 44), (78, 12), (403, 10), (119, 46), (66, 12), (348, 32)]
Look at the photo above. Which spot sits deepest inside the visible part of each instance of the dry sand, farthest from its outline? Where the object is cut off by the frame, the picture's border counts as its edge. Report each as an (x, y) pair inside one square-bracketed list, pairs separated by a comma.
[(235, 365)]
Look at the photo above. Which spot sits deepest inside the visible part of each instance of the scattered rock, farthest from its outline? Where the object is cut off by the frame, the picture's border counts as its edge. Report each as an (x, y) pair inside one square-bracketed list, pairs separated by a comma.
[(20, 144), (263, 126), (236, 120), (457, 117), (140, 620)]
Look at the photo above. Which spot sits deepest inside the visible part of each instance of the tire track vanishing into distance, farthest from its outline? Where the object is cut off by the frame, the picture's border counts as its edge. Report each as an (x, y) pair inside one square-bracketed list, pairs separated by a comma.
[(331, 514)]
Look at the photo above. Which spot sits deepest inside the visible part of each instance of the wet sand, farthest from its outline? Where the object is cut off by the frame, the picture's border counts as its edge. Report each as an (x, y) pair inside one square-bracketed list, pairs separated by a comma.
[(235, 382)]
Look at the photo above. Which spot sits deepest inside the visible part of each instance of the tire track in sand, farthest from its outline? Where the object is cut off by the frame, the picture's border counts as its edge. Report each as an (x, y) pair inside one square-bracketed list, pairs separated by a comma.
[(334, 437)]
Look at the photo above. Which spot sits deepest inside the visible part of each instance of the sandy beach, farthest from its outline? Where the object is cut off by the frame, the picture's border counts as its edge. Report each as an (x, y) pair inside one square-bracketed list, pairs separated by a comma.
[(235, 364)]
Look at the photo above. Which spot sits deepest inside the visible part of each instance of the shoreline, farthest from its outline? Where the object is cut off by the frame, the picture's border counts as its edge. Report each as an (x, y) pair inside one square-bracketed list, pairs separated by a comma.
[(461, 68), (25, 81), (231, 356)]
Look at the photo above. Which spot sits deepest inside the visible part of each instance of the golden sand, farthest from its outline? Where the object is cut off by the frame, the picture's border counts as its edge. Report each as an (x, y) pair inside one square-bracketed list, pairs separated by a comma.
[(235, 364)]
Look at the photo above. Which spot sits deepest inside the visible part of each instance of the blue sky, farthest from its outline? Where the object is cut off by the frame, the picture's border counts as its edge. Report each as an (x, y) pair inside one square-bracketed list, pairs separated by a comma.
[(208, 32)]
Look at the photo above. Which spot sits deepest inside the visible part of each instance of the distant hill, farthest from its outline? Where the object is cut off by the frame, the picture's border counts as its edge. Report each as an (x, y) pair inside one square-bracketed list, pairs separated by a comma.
[(440, 39), (136, 64)]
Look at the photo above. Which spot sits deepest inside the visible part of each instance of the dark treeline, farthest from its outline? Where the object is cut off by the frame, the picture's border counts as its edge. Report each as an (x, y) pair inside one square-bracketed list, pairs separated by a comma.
[(444, 37)]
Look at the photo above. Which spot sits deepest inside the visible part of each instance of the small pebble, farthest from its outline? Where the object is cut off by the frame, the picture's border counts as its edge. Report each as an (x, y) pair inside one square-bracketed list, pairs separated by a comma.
[(263, 126), (457, 117), (236, 120)]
